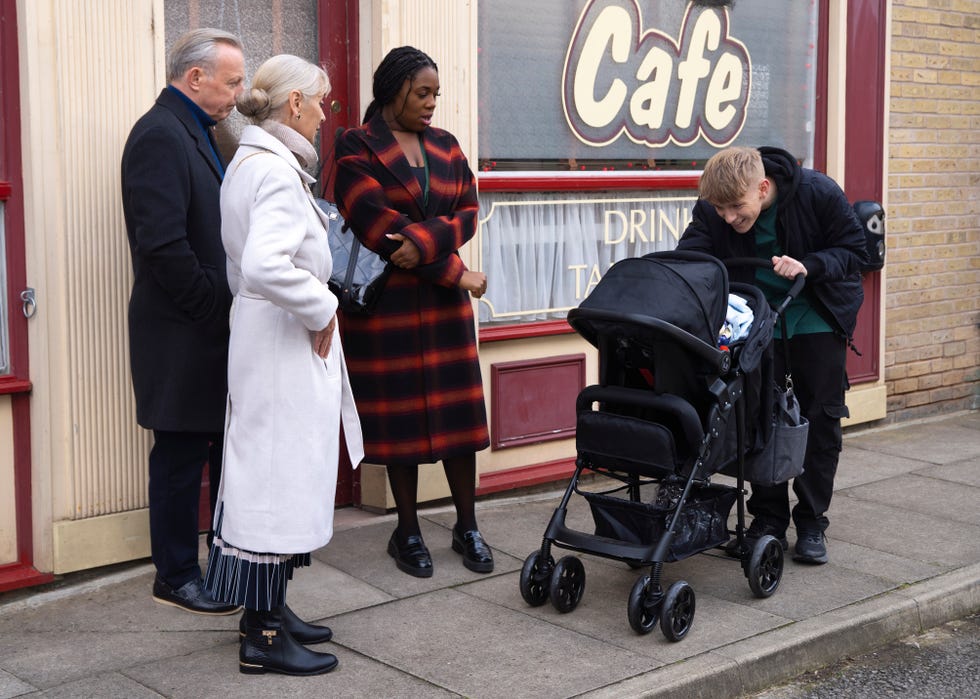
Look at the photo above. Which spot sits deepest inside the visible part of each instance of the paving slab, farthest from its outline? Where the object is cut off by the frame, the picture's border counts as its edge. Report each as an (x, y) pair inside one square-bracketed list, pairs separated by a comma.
[(933, 496), (602, 614), (214, 674), (939, 442), (11, 686), (899, 530), (803, 592), (47, 659), (961, 472), (131, 605), (858, 466), (361, 552), (897, 570), (516, 529), (478, 649), (111, 685)]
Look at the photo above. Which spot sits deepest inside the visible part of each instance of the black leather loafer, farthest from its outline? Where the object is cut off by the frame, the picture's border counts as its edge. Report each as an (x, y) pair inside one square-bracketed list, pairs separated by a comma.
[(477, 556), (191, 597), (412, 557), (302, 631)]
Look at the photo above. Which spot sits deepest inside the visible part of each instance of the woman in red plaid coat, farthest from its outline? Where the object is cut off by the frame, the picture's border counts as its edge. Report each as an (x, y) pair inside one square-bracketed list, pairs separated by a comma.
[(407, 192)]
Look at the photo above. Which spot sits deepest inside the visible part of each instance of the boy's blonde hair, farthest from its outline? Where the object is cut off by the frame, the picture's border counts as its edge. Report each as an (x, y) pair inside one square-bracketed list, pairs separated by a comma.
[(729, 174)]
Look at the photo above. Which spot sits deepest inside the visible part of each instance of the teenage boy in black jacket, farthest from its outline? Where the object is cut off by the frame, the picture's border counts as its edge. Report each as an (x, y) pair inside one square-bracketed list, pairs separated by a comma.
[(761, 203)]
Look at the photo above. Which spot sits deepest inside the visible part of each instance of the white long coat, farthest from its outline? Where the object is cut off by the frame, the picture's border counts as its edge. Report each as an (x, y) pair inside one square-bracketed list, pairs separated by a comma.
[(285, 403)]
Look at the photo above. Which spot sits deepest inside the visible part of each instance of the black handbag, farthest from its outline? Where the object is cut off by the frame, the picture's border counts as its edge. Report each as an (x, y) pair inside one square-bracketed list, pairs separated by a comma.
[(359, 274)]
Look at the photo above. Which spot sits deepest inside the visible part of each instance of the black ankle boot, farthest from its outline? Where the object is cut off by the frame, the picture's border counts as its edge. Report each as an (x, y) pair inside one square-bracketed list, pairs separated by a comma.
[(302, 631), (268, 647)]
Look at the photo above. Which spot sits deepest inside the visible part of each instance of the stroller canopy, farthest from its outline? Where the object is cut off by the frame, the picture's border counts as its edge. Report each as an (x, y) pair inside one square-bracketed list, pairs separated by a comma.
[(688, 290)]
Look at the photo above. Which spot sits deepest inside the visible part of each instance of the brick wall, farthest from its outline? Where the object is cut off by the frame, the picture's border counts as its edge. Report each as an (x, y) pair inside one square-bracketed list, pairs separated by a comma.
[(932, 288)]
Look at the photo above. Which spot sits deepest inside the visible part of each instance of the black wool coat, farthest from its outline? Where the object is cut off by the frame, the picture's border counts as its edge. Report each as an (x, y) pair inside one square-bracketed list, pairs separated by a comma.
[(815, 224), (178, 308)]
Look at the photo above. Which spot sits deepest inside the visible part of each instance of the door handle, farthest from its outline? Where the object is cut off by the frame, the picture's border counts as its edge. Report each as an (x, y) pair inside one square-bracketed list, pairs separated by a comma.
[(29, 300)]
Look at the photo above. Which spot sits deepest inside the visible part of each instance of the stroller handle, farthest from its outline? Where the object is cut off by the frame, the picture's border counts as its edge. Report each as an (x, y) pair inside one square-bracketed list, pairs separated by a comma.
[(583, 318), (798, 281)]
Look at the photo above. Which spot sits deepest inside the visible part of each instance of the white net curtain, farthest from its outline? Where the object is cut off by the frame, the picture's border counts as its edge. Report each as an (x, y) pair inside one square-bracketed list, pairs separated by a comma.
[(543, 252)]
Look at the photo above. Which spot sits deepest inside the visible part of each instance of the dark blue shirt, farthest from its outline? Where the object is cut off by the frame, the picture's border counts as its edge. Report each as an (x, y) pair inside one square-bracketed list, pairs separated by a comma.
[(206, 123)]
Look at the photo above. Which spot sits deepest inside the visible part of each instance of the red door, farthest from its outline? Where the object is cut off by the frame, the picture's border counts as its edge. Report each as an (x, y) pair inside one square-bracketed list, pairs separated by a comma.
[(864, 158), (338, 54)]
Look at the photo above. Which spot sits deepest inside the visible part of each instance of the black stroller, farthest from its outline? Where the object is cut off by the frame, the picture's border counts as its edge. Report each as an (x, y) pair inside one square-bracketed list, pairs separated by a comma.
[(665, 399)]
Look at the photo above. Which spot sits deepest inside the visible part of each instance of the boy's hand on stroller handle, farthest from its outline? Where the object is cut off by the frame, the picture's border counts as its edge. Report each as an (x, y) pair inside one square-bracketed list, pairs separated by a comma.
[(787, 267), (799, 277)]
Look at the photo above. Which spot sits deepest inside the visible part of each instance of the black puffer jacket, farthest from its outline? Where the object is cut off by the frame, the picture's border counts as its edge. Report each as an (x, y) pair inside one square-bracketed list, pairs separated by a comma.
[(815, 224)]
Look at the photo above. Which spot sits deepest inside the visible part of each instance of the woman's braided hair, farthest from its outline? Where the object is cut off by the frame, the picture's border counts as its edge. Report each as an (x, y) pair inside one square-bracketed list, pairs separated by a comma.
[(401, 64)]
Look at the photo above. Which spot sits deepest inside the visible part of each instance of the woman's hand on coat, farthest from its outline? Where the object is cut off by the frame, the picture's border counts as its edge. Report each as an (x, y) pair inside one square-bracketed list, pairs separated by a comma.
[(787, 267), (407, 256), (323, 338), (474, 282)]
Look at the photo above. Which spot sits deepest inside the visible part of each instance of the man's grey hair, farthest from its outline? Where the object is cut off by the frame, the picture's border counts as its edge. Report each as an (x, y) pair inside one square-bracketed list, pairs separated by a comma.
[(198, 48)]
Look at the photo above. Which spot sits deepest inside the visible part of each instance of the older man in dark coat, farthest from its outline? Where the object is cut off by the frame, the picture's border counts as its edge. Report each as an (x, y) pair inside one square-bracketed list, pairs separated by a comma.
[(178, 309)]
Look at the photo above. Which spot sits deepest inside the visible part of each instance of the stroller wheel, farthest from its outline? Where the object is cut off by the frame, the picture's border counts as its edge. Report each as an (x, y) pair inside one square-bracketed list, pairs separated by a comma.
[(535, 575), (643, 608), (567, 584), (677, 614), (765, 566)]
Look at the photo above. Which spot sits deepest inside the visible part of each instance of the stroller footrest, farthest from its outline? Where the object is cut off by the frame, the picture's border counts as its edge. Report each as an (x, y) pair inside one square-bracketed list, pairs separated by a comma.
[(598, 545)]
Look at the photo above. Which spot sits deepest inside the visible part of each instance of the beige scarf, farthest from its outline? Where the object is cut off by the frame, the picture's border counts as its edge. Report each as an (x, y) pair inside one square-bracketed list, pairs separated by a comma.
[(293, 140)]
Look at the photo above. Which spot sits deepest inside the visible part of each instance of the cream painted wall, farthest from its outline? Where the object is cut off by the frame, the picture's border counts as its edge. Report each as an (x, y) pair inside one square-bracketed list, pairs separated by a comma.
[(8, 515), (447, 31), (85, 78)]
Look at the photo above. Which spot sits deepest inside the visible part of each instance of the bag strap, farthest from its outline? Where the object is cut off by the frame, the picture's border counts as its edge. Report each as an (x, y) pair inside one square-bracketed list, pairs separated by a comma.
[(788, 378), (252, 155), (355, 248)]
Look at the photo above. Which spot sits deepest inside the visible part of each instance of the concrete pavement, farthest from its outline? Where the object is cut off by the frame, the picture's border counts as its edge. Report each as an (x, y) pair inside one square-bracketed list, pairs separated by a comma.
[(904, 548)]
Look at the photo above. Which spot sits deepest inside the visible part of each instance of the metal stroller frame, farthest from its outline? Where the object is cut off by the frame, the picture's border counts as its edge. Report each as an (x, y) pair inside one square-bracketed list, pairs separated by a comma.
[(694, 423)]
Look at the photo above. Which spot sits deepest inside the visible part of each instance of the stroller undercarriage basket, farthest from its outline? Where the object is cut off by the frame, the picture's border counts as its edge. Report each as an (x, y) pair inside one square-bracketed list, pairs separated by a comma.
[(703, 523)]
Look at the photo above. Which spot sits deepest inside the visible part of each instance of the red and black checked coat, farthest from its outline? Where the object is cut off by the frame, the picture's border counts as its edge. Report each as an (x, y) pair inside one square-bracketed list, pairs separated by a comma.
[(413, 363)]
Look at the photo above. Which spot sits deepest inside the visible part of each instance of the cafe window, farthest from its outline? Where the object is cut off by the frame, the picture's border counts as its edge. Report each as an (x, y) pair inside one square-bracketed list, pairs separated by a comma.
[(596, 117)]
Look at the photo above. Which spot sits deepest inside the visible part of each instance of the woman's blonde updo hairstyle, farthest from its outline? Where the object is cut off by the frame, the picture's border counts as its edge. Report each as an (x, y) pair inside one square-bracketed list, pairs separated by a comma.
[(273, 82)]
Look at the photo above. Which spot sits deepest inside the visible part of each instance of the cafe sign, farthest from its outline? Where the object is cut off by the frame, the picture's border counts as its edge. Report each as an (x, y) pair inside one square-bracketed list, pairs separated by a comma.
[(621, 77)]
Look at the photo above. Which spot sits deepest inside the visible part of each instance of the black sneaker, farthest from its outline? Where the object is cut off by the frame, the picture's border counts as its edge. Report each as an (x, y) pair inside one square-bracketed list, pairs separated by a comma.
[(811, 546), (756, 531)]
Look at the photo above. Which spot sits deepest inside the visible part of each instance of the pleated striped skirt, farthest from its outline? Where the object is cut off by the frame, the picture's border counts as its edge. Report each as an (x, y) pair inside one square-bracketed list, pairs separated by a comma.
[(247, 578)]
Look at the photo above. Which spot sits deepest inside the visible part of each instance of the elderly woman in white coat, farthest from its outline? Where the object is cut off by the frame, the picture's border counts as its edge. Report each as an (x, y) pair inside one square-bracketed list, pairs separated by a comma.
[(288, 391)]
